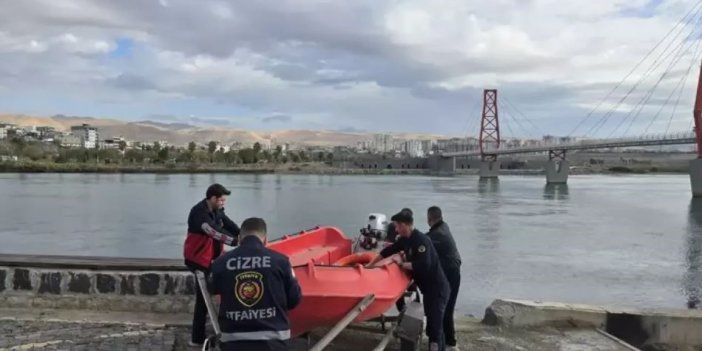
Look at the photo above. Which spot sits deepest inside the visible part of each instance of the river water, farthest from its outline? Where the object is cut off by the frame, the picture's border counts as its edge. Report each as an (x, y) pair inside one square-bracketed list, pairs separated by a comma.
[(624, 240)]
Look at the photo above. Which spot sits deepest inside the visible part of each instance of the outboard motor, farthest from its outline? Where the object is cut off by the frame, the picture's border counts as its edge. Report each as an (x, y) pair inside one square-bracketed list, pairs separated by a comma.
[(374, 232)]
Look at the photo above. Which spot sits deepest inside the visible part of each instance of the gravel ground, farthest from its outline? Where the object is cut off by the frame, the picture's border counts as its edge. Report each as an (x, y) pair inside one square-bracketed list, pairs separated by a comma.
[(82, 331)]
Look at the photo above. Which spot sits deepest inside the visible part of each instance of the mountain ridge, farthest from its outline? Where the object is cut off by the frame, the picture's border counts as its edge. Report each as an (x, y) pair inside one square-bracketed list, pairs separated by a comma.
[(182, 133)]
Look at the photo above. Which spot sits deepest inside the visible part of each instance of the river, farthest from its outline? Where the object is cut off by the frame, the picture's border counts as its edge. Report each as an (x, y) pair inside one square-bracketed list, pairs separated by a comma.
[(619, 240)]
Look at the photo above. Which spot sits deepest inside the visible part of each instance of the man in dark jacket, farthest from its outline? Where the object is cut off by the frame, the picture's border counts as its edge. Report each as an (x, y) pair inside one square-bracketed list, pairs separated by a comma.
[(423, 263), (208, 230), (391, 234), (450, 259), (257, 288), (390, 238)]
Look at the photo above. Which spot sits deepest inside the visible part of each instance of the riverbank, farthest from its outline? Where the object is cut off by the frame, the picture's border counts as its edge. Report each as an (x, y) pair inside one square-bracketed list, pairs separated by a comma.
[(86, 330), (302, 168)]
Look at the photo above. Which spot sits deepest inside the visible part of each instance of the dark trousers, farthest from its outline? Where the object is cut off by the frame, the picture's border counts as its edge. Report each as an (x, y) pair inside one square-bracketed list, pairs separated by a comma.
[(400, 303), (271, 345), (454, 278), (199, 314), (434, 308)]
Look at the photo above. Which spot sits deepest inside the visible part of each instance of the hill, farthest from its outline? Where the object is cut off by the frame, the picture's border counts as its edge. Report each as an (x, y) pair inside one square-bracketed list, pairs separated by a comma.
[(181, 133)]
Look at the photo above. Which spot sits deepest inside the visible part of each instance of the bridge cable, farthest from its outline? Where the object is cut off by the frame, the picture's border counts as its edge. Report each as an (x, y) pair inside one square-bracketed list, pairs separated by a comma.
[(509, 128), (678, 89), (514, 107), (677, 59), (599, 124), (509, 109), (595, 128), (467, 127), (695, 61), (693, 11)]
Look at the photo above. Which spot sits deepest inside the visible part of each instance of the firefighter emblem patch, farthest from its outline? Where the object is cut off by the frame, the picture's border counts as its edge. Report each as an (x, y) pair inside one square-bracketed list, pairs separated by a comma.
[(249, 288)]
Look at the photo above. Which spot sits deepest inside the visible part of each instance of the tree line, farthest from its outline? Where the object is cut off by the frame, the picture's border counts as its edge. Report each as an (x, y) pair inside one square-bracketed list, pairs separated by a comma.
[(156, 154)]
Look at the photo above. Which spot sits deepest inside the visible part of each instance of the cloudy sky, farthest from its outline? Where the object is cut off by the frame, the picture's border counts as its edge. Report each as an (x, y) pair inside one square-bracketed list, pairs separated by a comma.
[(372, 65)]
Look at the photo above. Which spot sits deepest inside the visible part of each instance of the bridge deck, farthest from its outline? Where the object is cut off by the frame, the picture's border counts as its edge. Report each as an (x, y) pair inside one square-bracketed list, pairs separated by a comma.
[(687, 138)]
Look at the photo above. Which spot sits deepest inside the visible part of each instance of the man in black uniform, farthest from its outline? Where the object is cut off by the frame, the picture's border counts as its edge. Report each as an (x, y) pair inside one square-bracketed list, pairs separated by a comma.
[(391, 235), (208, 230), (423, 261), (257, 287), (450, 259)]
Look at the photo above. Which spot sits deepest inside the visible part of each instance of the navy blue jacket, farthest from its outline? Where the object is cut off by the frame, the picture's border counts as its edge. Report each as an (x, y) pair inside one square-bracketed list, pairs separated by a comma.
[(257, 287), (426, 269), (440, 235)]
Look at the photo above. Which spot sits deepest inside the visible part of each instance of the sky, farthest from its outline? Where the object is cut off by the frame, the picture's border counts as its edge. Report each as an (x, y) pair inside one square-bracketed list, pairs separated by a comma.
[(363, 65)]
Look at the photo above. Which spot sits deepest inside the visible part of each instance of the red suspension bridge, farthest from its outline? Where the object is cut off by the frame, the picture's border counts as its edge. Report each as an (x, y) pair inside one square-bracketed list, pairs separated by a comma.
[(681, 45)]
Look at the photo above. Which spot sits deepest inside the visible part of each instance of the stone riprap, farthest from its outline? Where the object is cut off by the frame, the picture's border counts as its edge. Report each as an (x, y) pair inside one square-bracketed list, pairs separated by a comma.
[(150, 291)]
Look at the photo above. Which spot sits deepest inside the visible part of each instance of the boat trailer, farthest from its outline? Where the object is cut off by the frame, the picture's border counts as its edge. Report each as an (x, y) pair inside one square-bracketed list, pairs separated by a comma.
[(408, 326)]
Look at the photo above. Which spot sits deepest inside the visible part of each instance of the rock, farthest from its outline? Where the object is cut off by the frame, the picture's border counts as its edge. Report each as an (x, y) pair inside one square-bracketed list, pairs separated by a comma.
[(106, 283), (79, 283), (148, 284), (21, 279), (50, 283)]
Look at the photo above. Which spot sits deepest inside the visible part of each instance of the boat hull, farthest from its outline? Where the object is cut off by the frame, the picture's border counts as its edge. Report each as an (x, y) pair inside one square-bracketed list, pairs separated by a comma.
[(329, 292)]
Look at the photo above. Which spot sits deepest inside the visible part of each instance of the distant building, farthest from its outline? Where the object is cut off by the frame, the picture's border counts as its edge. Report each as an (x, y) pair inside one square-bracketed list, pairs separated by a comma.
[(71, 140), (4, 128), (46, 133), (88, 135)]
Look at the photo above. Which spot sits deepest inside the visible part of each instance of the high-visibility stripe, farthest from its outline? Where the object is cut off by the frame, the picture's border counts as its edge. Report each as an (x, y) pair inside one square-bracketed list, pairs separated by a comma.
[(257, 335)]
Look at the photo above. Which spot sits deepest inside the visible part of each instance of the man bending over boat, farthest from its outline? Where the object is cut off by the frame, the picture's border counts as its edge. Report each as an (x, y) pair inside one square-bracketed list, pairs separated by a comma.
[(208, 230), (257, 288), (423, 263)]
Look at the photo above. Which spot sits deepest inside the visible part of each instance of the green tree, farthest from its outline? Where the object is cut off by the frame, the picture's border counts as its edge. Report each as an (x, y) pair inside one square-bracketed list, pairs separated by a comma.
[(157, 147), (122, 145), (330, 158), (256, 148), (247, 156), (320, 156), (192, 146), (163, 154), (294, 157), (303, 156), (211, 148), (278, 151), (33, 152)]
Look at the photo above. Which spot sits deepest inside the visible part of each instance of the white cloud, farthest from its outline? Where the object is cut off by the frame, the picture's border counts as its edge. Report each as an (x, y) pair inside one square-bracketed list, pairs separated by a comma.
[(414, 65)]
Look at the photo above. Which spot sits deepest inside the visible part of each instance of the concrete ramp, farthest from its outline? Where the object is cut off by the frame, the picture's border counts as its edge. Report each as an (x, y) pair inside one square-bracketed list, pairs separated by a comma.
[(642, 328)]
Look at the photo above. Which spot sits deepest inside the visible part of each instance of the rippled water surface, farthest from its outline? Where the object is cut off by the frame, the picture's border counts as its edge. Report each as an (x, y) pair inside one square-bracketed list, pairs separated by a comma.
[(629, 240)]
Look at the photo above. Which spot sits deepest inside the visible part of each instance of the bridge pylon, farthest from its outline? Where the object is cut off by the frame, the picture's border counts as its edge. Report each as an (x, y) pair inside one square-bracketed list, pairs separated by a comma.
[(696, 164), (489, 135), (557, 167)]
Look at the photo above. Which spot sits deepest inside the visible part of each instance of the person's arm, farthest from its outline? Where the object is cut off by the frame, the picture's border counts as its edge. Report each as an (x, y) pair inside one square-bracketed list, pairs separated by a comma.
[(386, 252), (202, 220), (229, 225), (292, 288)]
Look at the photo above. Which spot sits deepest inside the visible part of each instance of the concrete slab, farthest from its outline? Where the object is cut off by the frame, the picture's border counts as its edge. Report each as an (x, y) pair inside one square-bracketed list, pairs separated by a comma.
[(679, 329)]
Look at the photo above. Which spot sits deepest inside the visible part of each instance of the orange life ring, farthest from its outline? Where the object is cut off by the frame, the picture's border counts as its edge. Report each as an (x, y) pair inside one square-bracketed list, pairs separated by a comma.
[(357, 258)]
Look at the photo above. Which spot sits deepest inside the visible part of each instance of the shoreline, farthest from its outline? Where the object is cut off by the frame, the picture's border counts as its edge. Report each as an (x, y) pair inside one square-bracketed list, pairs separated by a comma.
[(301, 169)]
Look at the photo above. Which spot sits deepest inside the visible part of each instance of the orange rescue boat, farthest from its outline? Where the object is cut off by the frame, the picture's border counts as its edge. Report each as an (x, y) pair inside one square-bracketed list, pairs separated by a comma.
[(333, 279)]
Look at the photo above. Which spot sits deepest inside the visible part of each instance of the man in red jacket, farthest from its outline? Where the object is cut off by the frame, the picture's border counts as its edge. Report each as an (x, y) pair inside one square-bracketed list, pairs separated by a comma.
[(208, 230)]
